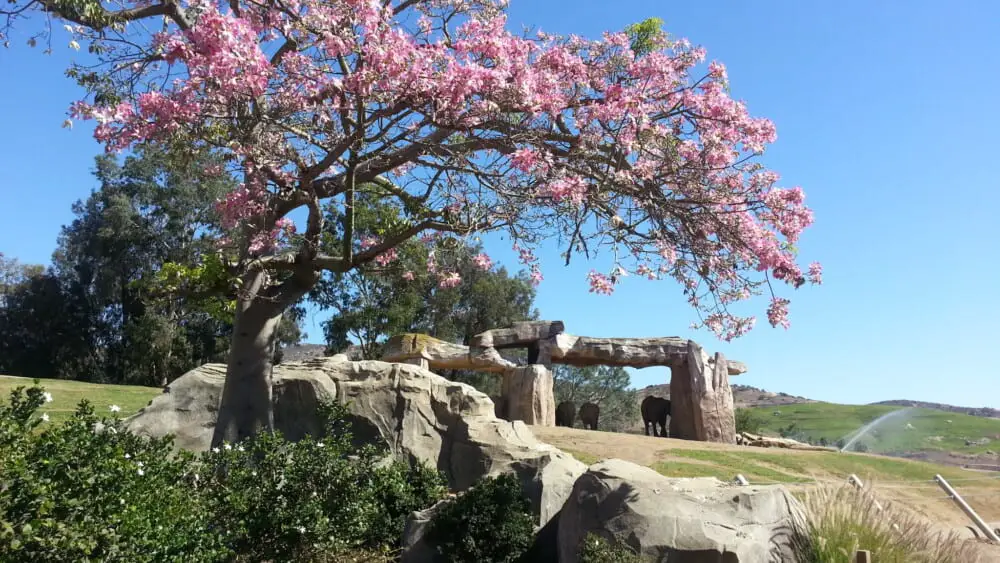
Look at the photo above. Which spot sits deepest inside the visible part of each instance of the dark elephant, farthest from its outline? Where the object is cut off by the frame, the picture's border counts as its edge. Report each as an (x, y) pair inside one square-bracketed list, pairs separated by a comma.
[(589, 413), (655, 411), (566, 414), (500, 406)]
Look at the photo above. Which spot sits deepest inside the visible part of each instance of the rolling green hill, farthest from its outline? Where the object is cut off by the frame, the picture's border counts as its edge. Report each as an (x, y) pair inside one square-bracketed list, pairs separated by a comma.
[(917, 429), (66, 395)]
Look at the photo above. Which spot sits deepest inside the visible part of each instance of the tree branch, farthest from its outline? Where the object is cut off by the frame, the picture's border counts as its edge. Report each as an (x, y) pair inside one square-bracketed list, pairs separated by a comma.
[(105, 18)]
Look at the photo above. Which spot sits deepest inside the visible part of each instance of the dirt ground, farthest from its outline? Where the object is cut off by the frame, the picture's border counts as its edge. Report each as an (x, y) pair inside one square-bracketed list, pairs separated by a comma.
[(928, 502)]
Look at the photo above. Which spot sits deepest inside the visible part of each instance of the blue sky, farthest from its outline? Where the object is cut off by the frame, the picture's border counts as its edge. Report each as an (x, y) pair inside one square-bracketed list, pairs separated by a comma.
[(886, 116)]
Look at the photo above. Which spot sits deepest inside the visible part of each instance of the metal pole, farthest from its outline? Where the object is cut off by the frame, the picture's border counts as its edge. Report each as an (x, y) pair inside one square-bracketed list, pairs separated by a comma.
[(967, 509)]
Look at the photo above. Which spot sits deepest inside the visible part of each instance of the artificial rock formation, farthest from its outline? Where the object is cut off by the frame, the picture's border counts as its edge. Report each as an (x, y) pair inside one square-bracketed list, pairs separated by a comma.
[(418, 415), (528, 394), (702, 399), (680, 520)]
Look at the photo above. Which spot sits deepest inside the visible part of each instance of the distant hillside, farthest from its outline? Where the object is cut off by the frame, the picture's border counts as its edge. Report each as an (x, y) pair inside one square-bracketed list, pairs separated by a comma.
[(302, 352), (972, 411), (743, 396)]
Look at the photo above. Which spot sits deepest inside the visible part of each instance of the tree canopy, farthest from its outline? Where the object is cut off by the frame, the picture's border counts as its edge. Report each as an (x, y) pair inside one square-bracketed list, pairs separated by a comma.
[(464, 126)]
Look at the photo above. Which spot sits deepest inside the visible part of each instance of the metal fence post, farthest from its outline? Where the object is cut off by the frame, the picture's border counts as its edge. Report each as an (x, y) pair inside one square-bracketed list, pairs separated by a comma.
[(992, 535)]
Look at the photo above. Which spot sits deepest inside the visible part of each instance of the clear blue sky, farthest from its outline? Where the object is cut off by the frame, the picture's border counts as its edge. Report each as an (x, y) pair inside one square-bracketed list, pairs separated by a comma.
[(886, 116)]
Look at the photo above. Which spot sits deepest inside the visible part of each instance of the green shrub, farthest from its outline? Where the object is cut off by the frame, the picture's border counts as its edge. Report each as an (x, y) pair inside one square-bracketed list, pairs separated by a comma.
[(748, 421), (70, 493), (490, 523), (596, 549), (281, 499), (395, 492)]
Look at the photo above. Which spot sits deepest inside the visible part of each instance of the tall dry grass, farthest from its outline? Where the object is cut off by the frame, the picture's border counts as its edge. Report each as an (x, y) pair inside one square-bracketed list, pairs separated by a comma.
[(843, 519)]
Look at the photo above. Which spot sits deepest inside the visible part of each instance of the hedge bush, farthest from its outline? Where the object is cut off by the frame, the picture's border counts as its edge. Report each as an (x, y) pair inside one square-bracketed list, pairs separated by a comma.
[(89, 490), (490, 523)]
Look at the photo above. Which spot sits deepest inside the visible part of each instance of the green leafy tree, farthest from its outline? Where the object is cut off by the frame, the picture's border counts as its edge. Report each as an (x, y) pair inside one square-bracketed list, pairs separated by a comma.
[(375, 301), (138, 292), (747, 420), (607, 387), (14, 275), (46, 330)]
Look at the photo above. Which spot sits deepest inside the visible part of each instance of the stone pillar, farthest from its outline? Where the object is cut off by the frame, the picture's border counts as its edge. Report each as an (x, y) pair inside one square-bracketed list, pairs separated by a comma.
[(717, 410), (701, 401), (527, 392)]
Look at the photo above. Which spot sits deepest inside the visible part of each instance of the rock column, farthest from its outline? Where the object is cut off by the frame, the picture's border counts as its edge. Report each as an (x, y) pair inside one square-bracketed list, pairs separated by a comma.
[(701, 401), (527, 392)]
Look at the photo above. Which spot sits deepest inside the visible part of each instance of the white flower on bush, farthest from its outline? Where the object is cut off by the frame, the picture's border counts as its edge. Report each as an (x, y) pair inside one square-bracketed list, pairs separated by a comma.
[(227, 446), (114, 408), (215, 450), (140, 472), (319, 444), (140, 464), (45, 417), (301, 529), (128, 456), (239, 448), (47, 396)]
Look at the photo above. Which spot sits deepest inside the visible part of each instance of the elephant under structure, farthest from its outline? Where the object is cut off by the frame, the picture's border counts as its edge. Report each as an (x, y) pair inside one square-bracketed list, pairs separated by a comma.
[(566, 414), (589, 413), (655, 411)]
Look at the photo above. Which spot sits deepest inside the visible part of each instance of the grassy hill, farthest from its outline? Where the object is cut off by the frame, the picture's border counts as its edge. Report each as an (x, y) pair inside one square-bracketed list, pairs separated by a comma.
[(916, 429), (66, 395)]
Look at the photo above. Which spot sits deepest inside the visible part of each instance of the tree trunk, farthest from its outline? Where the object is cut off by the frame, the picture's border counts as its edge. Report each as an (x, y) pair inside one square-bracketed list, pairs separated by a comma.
[(246, 408)]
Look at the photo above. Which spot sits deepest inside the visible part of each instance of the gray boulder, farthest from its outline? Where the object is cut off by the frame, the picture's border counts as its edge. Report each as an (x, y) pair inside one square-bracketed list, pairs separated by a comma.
[(418, 415), (680, 520)]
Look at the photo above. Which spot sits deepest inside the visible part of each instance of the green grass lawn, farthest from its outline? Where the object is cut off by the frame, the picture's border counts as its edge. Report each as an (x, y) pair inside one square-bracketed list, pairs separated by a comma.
[(66, 395), (931, 429)]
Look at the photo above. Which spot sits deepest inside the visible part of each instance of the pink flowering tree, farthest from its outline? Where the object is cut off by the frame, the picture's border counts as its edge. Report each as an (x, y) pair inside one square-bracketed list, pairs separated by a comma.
[(623, 145)]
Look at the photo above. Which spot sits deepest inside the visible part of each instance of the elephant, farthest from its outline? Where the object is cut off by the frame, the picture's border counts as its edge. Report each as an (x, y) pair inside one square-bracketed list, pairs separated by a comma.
[(655, 410), (566, 414), (500, 406), (589, 413)]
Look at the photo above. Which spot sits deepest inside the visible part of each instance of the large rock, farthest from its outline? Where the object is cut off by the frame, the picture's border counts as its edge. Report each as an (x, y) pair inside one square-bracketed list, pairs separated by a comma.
[(419, 415), (520, 334), (528, 393), (680, 520), (701, 400), (440, 354), (189, 405), (759, 441), (627, 352)]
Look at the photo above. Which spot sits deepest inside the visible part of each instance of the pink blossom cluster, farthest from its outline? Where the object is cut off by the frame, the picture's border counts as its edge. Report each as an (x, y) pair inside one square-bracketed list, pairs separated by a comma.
[(570, 188), (383, 259), (482, 261), (527, 257), (449, 280), (600, 283)]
